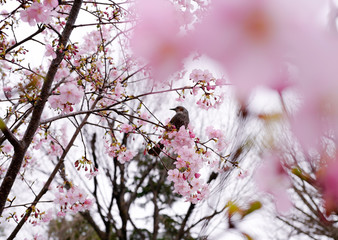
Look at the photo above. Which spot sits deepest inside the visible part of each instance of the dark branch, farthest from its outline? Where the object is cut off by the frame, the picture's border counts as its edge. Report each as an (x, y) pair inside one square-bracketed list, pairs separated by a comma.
[(10, 136)]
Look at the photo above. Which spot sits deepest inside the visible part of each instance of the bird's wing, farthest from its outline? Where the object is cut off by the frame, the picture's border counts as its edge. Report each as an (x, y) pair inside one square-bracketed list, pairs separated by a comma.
[(179, 120)]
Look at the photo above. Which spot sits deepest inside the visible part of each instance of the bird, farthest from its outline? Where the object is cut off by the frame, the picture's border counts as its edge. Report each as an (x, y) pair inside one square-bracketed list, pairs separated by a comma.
[(181, 118)]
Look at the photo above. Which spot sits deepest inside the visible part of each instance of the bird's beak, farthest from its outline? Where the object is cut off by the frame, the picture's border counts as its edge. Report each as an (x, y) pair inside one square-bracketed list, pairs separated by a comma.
[(174, 109)]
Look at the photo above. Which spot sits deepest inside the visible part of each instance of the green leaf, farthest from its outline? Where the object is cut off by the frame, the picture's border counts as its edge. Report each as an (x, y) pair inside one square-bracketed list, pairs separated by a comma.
[(253, 207)]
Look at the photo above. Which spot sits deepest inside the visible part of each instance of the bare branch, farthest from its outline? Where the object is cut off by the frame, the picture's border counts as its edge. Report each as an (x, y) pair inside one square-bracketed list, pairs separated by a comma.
[(10, 136)]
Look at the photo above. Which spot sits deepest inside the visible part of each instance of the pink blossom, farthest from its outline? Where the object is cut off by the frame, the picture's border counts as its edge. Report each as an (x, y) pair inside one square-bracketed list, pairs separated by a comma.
[(55, 149), (59, 198), (213, 133), (48, 216), (182, 187), (181, 138), (192, 198), (204, 193), (196, 164), (51, 3), (55, 101), (61, 214), (74, 199), (50, 51), (92, 174), (125, 156), (156, 37), (69, 93), (196, 75), (126, 128), (118, 90), (180, 163), (196, 184), (78, 194), (62, 72), (248, 37), (36, 13), (173, 175), (8, 91), (87, 203), (144, 116), (317, 85), (7, 148), (218, 136)]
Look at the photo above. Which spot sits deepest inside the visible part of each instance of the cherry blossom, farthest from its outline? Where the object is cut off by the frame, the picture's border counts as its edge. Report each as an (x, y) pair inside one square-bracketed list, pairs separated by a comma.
[(92, 174), (217, 136), (173, 174), (7, 91), (144, 116), (75, 199), (55, 101), (7, 148), (186, 176), (125, 156), (126, 128), (180, 138), (70, 93), (51, 3), (36, 13), (156, 37), (50, 51), (69, 96), (48, 216)]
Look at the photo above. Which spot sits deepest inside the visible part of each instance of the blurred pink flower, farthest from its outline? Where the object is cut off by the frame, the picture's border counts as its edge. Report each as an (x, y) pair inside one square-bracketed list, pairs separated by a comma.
[(251, 39), (36, 13), (317, 86), (270, 177), (156, 37), (51, 3)]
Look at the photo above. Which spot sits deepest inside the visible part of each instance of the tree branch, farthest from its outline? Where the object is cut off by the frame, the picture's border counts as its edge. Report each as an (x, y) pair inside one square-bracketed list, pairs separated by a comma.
[(52, 176), (10, 136), (40, 29), (33, 125)]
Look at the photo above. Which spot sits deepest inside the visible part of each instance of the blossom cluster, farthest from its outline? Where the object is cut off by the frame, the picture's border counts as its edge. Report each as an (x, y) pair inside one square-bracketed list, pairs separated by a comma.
[(207, 83), (188, 163), (39, 12), (216, 136), (74, 199), (69, 95), (115, 149)]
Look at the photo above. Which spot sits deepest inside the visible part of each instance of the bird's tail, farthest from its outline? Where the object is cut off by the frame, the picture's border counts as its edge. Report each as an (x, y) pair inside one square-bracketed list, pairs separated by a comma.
[(156, 150)]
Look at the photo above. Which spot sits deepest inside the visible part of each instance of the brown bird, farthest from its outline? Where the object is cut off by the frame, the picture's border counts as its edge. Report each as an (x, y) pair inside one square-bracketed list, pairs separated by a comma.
[(180, 119)]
